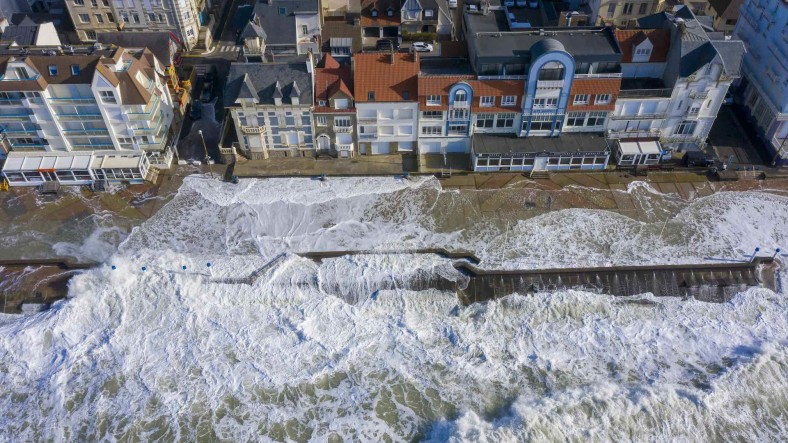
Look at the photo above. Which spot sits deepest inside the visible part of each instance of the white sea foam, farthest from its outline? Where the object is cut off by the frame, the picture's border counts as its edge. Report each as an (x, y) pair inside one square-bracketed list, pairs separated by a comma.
[(312, 351)]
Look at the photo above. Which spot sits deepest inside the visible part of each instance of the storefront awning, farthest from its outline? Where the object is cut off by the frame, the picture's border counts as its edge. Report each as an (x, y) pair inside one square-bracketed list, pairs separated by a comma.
[(115, 161)]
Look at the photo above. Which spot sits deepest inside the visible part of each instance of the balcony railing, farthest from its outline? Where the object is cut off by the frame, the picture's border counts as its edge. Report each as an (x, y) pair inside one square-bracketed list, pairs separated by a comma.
[(252, 129), (460, 104), (77, 132), (651, 133), (346, 147), (78, 116), (69, 100), (363, 120), (343, 129), (652, 116), (21, 116), (550, 84), (600, 75), (368, 135), (642, 93), (700, 95), (11, 101)]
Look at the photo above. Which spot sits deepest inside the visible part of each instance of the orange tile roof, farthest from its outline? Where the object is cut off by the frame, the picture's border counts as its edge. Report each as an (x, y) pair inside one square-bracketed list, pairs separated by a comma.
[(593, 87), (330, 79), (440, 85), (629, 38), (374, 72)]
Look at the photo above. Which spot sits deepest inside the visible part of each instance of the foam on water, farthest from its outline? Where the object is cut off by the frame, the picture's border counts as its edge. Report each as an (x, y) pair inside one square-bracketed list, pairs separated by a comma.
[(312, 351)]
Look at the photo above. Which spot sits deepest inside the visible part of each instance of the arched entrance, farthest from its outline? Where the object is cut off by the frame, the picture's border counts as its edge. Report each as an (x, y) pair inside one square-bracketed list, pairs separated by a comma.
[(323, 144)]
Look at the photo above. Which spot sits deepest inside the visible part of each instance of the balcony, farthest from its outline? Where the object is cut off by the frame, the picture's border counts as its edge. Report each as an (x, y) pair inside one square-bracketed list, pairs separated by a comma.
[(651, 133), (368, 135), (80, 116), (11, 101), (346, 147), (600, 75), (651, 116), (549, 83), (78, 132), (645, 93), (699, 95), (460, 104), (14, 117), (367, 119), (253, 129), (343, 129), (72, 100)]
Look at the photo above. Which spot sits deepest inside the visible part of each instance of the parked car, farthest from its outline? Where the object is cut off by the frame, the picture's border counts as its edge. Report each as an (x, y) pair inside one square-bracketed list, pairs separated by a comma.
[(196, 111), (695, 159), (421, 47)]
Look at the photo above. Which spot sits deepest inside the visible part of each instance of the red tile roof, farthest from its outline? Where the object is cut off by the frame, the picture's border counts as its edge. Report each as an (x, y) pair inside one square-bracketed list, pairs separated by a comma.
[(382, 7), (629, 38), (374, 72), (440, 85), (330, 79)]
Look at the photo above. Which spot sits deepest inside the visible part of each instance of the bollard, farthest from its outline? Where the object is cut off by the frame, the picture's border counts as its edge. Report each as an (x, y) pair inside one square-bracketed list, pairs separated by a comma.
[(144, 269), (114, 267), (755, 253), (183, 267), (776, 251)]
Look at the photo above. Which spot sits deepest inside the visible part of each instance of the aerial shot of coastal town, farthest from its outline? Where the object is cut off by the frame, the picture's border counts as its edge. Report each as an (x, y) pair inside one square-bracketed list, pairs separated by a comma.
[(394, 220)]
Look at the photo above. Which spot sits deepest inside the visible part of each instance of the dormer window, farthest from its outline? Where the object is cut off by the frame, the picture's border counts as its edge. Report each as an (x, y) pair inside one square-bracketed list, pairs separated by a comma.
[(74, 69), (22, 74), (321, 102), (374, 12), (53, 70), (282, 11), (277, 101), (390, 12), (428, 13), (643, 51), (294, 100), (371, 96), (405, 95)]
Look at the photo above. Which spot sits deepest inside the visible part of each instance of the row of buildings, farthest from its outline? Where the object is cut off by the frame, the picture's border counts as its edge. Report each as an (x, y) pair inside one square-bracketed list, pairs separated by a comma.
[(522, 99)]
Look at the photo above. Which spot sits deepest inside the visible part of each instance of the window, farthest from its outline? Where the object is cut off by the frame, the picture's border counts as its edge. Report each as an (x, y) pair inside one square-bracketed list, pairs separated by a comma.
[(428, 13), (74, 69), (21, 73), (508, 100), (321, 102), (433, 100), (94, 3), (124, 16), (601, 99), (99, 18), (163, 18), (694, 109), (152, 18), (731, 22), (576, 119), (487, 101), (190, 33), (628, 8), (504, 120), (135, 18), (53, 70), (432, 115), (110, 17), (107, 97), (458, 129), (342, 122), (431, 130), (611, 10), (79, 2), (546, 102), (541, 122), (581, 99), (686, 127), (84, 18), (405, 95), (643, 51), (374, 12), (304, 29), (282, 11), (485, 120), (458, 114), (596, 118), (460, 97), (321, 120), (90, 35), (643, 7), (390, 12), (371, 96)]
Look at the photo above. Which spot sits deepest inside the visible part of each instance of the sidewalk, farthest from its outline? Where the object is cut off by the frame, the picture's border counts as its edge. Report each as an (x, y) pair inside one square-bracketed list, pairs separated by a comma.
[(310, 167)]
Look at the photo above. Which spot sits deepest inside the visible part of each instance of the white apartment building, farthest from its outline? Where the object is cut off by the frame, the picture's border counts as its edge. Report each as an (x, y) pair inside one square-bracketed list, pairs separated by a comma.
[(85, 117), (676, 75), (181, 17), (386, 90), (270, 107)]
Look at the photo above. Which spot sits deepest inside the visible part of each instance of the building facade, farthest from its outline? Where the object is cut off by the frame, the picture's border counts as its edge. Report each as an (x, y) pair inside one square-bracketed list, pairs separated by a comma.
[(282, 27), (85, 117), (386, 91), (181, 17), (763, 26), (270, 107), (334, 109), (677, 72), (623, 14)]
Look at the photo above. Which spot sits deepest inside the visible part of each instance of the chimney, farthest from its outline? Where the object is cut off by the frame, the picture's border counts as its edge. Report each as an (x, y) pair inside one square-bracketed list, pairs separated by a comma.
[(392, 57), (310, 61)]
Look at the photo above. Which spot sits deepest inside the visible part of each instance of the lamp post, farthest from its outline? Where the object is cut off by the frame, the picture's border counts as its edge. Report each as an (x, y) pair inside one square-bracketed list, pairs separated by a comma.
[(207, 159)]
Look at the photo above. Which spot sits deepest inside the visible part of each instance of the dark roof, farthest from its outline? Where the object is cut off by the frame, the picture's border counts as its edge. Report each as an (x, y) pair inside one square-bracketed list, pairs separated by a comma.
[(628, 39), (264, 81), (720, 6), (280, 28), (252, 30), (488, 33), (339, 27), (731, 52), (157, 41), (566, 143)]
